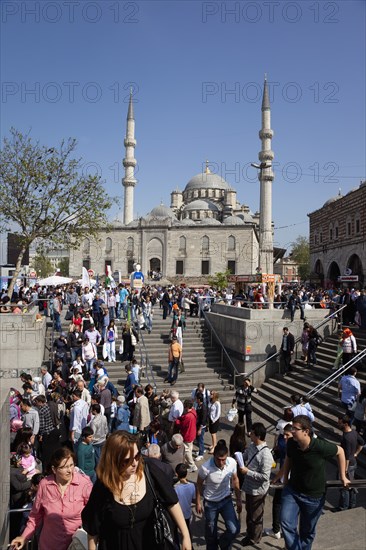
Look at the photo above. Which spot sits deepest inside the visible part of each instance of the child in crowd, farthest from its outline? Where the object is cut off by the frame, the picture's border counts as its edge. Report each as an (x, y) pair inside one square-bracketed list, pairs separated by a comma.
[(186, 493), (86, 454), (27, 460)]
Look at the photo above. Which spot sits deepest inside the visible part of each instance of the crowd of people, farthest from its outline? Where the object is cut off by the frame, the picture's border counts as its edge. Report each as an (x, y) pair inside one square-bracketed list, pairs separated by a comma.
[(85, 454)]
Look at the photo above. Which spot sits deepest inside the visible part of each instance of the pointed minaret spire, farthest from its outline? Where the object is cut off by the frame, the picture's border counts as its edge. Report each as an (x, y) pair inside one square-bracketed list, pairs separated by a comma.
[(129, 163), (265, 101), (266, 177), (130, 107)]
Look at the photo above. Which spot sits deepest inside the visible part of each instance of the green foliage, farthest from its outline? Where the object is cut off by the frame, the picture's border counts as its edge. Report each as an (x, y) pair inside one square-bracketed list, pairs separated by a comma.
[(46, 197), (301, 255), (220, 280), (63, 266), (43, 266)]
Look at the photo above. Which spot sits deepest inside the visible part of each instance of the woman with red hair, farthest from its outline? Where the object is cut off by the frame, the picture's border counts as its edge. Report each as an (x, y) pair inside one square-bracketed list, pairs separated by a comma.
[(349, 345)]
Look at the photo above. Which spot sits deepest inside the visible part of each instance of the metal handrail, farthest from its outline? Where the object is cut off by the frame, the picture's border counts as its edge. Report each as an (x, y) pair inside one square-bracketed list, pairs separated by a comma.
[(236, 373), (332, 377), (324, 322), (144, 354)]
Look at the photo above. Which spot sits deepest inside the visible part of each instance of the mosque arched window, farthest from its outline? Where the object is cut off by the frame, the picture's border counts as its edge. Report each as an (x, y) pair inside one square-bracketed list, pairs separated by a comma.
[(86, 246), (205, 244), (231, 243), (130, 244), (182, 243), (108, 244)]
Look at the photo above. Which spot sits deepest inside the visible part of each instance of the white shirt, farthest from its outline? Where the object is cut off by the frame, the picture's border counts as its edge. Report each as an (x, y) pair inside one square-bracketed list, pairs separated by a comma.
[(217, 482), (176, 410), (79, 416)]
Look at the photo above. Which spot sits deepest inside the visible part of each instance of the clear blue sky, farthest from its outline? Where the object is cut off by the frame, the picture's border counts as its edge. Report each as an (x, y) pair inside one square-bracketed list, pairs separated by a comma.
[(183, 59)]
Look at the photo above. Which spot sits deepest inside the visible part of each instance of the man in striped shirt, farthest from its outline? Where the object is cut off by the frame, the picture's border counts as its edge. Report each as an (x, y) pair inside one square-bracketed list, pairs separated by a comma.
[(257, 470)]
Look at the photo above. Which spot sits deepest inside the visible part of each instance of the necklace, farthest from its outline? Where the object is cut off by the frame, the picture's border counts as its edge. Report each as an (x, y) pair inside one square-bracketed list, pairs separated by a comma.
[(131, 491)]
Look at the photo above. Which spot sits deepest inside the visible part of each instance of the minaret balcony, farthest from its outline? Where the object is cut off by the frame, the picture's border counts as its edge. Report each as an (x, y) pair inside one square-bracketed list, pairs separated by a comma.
[(129, 182), (266, 155), (129, 162), (129, 142), (267, 133)]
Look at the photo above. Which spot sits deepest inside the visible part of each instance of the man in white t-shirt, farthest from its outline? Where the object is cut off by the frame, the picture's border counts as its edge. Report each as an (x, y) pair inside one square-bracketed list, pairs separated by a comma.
[(215, 479)]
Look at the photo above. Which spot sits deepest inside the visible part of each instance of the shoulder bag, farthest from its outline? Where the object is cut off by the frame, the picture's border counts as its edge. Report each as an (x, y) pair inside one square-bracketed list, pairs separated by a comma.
[(162, 533)]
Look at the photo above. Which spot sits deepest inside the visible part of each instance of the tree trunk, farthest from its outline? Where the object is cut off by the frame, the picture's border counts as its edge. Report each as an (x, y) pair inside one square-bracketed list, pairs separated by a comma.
[(18, 265)]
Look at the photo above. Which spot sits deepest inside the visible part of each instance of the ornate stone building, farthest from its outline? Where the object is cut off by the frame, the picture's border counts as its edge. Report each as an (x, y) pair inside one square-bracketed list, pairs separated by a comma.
[(338, 239), (204, 230)]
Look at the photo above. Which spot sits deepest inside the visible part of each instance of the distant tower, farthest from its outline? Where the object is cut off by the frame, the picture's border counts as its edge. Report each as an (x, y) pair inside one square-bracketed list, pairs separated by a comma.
[(129, 163), (266, 177)]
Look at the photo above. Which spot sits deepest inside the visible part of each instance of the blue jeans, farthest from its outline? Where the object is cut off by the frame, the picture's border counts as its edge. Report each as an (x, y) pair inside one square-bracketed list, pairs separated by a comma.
[(57, 321), (309, 509), (201, 442), (173, 371), (226, 509)]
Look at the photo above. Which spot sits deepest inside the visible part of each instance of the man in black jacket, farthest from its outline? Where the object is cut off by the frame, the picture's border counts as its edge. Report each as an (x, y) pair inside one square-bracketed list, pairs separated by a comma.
[(287, 349), (201, 411)]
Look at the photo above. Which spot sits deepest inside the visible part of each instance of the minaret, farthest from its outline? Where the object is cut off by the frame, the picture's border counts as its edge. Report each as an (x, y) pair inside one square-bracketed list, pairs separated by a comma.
[(266, 177), (129, 163)]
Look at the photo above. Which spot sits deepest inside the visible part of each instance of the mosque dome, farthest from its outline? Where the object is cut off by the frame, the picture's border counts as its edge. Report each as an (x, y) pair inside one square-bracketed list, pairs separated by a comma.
[(210, 221), (186, 221), (247, 217), (206, 180), (201, 205), (161, 211), (332, 199), (233, 220)]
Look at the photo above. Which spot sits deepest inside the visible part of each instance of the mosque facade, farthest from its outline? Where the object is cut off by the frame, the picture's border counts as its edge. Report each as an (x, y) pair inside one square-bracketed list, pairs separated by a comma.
[(204, 230)]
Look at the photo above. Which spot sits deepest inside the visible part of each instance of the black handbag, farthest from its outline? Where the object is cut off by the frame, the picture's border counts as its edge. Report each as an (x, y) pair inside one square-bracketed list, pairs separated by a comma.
[(69, 315), (162, 532)]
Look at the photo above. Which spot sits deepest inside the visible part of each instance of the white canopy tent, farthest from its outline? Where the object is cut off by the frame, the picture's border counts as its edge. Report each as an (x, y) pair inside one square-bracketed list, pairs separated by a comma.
[(54, 280)]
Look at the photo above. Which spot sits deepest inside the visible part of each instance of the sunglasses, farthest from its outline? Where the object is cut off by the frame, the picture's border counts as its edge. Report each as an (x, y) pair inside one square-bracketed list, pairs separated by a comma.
[(136, 458), (296, 429)]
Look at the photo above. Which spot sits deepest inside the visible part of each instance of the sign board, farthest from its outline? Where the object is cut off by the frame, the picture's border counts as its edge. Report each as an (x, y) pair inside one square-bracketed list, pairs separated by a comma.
[(32, 274), (91, 272), (248, 349), (348, 278)]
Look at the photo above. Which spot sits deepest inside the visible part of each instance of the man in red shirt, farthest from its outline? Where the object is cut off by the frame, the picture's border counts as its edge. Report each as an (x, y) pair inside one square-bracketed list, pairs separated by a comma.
[(187, 424)]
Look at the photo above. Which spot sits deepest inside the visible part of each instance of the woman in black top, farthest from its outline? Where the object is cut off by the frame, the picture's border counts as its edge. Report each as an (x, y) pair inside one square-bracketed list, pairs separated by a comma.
[(120, 511)]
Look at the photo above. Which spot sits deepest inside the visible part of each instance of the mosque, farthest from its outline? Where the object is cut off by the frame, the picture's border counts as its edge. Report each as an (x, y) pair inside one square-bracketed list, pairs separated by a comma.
[(204, 230)]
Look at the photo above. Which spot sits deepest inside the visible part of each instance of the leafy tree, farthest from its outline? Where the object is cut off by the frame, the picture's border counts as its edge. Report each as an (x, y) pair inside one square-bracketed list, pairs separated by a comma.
[(45, 197), (63, 266), (43, 266), (301, 255), (220, 280)]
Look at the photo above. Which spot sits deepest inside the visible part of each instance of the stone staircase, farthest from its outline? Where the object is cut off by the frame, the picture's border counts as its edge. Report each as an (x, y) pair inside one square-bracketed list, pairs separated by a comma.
[(275, 393)]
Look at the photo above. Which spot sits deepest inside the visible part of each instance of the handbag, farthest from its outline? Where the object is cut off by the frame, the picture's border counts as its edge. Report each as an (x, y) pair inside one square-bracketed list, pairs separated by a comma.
[(181, 366), (162, 532), (69, 315)]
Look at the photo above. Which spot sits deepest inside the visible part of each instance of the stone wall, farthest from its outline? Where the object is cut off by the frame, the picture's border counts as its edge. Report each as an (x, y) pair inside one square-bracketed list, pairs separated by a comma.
[(252, 335), (22, 341)]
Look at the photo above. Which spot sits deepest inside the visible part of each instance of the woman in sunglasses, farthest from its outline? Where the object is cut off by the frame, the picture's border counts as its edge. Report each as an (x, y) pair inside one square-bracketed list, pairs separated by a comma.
[(120, 511)]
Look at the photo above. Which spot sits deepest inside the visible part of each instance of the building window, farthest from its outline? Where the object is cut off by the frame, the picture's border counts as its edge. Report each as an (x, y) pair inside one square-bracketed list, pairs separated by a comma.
[(357, 225), (182, 244), (348, 227), (205, 244), (336, 230), (321, 237), (108, 245), (205, 267), (86, 246), (231, 243), (315, 238), (130, 244), (331, 233), (231, 265), (179, 267), (130, 266), (86, 264)]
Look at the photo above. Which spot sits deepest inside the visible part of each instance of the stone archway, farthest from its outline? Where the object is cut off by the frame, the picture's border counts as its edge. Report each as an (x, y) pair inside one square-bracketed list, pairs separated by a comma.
[(155, 255), (334, 272), (155, 265), (318, 273), (355, 265)]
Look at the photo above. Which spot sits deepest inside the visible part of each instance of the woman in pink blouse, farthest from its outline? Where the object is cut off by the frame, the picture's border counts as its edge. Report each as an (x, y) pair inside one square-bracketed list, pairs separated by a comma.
[(60, 499)]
